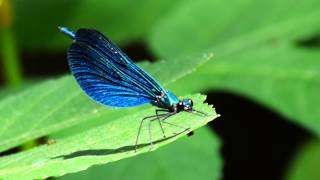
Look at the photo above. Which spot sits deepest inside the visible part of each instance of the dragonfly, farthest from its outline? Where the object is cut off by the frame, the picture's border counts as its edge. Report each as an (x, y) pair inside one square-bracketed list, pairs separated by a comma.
[(110, 77)]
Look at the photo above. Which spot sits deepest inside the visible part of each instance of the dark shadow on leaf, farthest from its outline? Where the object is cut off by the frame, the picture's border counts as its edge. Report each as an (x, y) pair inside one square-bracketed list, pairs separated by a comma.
[(103, 152), (310, 42)]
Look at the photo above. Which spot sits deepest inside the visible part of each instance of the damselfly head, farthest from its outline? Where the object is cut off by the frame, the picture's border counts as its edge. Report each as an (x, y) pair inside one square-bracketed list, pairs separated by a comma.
[(185, 105)]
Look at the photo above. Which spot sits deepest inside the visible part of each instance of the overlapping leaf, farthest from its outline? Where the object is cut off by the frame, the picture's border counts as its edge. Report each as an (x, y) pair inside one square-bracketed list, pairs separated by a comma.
[(233, 27)]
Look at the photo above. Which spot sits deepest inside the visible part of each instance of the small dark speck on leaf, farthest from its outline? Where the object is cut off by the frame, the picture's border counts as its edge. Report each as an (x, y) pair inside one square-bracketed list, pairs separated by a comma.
[(190, 133)]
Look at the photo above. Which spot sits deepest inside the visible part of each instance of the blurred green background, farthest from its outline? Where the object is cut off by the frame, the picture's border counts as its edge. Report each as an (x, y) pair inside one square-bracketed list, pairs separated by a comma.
[(264, 78)]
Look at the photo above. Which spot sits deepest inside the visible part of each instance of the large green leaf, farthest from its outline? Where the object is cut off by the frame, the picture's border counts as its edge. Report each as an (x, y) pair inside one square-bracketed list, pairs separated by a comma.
[(107, 143), (194, 157), (58, 104), (36, 21), (253, 42)]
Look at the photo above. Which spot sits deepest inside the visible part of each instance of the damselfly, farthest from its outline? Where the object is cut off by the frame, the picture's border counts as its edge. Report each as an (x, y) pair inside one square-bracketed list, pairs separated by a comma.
[(109, 77)]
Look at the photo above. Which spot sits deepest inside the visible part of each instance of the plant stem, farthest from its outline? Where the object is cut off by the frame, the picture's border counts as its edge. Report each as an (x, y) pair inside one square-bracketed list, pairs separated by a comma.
[(8, 50), (11, 65)]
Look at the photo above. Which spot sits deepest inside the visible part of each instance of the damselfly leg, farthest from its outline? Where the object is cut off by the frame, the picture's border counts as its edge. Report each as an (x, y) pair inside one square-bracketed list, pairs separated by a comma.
[(158, 118), (161, 119), (150, 118), (199, 113)]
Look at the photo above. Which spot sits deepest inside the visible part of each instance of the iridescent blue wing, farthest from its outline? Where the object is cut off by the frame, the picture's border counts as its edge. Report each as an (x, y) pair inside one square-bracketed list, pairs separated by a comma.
[(106, 74)]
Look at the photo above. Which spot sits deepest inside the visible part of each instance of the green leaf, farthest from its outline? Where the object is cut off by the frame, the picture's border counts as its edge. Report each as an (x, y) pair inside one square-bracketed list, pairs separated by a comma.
[(59, 104), (194, 157), (306, 164), (233, 27), (107, 143), (121, 20), (253, 43)]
